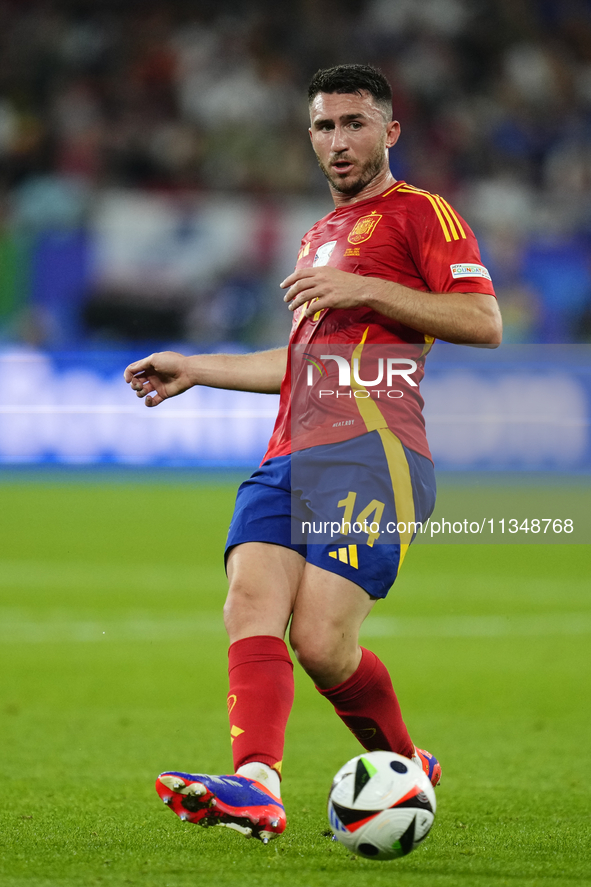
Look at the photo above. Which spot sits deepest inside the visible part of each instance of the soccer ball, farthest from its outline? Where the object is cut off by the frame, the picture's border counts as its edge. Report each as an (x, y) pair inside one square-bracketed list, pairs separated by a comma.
[(381, 805)]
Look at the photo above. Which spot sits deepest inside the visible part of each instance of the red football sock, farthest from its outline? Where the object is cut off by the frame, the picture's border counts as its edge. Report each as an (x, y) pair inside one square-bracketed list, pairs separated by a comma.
[(260, 699), (367, 704)]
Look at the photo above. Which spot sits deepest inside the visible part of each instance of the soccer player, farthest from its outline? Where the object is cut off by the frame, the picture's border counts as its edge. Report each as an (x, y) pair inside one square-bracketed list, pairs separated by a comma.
[(391, 266)]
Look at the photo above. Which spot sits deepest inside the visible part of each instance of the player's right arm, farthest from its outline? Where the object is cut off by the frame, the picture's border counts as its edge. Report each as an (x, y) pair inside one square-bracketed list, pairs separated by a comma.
[(167, 373)]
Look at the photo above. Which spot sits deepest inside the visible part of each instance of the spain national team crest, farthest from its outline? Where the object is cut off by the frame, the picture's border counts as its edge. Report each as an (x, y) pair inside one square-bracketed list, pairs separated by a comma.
[(363, 228)]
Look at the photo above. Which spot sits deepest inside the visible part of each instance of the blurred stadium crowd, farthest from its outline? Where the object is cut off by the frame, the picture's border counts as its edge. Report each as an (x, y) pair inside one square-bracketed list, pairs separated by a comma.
[(156, 175)]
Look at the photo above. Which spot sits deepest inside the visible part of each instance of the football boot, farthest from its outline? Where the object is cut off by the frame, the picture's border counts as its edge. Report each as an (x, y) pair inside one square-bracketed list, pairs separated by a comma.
[(428, 764), (235, 802)]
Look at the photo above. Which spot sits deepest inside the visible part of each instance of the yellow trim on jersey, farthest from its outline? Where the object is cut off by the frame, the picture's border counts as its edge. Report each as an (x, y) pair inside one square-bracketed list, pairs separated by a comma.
[(448, 218), (450, 222), (435, 206), (368, 408), (395, 188), (395, 457), (428, 344), (454, 214)]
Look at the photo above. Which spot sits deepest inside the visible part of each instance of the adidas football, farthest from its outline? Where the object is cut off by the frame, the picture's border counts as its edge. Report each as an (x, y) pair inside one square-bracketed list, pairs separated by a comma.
[(381, 805)]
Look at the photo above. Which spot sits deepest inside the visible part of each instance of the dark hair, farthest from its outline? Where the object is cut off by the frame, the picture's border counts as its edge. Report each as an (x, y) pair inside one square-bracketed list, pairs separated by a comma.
[(353, 78)]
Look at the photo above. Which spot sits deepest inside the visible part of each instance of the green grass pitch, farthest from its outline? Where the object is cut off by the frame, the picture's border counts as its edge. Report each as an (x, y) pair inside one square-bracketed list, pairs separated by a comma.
[(114, 668)]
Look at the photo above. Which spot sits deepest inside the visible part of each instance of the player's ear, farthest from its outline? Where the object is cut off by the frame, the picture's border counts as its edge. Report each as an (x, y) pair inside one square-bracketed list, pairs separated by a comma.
[(392, 133), (310, 134)]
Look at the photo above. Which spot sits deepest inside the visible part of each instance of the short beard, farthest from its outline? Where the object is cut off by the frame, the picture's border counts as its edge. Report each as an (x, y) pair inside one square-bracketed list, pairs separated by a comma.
[(372, 168)]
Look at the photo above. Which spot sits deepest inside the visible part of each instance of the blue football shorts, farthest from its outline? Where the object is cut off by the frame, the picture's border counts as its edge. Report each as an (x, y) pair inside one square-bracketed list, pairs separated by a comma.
[(351, 508)]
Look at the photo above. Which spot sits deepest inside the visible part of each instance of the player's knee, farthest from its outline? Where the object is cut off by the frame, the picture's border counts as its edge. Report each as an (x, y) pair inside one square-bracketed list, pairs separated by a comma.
[(320, 658), (314, 662), (248, 611), (229, 615), (238, 608)]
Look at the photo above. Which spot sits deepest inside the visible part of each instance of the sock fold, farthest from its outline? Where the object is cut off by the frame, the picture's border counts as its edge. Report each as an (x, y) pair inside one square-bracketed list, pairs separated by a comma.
[(259, 700), (367, 704)]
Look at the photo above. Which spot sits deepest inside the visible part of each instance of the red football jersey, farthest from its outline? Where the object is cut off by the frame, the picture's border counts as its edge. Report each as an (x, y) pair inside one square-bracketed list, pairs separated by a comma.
[(405, 235)]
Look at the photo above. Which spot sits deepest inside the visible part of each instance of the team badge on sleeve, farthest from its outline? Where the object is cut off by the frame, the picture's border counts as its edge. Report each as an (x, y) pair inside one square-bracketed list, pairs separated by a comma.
[(363, 228), (469, 270)]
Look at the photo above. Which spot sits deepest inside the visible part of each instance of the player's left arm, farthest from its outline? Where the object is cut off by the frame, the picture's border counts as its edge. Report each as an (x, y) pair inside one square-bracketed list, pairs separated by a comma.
[(461, 318)]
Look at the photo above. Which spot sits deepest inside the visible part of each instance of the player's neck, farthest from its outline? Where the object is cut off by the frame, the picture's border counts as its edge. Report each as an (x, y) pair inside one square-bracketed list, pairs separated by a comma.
[(377, 186)]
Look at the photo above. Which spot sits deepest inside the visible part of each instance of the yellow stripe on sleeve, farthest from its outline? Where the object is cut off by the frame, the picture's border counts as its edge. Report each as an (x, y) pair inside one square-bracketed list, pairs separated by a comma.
[(452, 227), (433, 202), (454, 215)]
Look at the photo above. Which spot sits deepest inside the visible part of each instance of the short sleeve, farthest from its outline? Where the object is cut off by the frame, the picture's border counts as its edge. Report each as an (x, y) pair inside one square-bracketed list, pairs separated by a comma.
[(444, 247)]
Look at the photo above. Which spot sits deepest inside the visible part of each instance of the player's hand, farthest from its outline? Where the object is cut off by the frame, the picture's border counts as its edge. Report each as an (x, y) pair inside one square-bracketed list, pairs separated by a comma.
[(328, 287), (158, 376)]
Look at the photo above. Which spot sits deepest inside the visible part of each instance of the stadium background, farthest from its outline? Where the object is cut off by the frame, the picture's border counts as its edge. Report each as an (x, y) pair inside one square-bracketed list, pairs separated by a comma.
[(155, 180)]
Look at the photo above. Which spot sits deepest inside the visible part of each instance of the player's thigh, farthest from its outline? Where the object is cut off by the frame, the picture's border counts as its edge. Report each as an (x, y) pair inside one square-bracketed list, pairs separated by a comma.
[(264, 566), (327, 615), (264, 579)]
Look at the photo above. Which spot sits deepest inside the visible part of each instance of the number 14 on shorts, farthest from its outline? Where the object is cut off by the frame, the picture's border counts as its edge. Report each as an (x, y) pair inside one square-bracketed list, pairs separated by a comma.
[(367, 521)]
